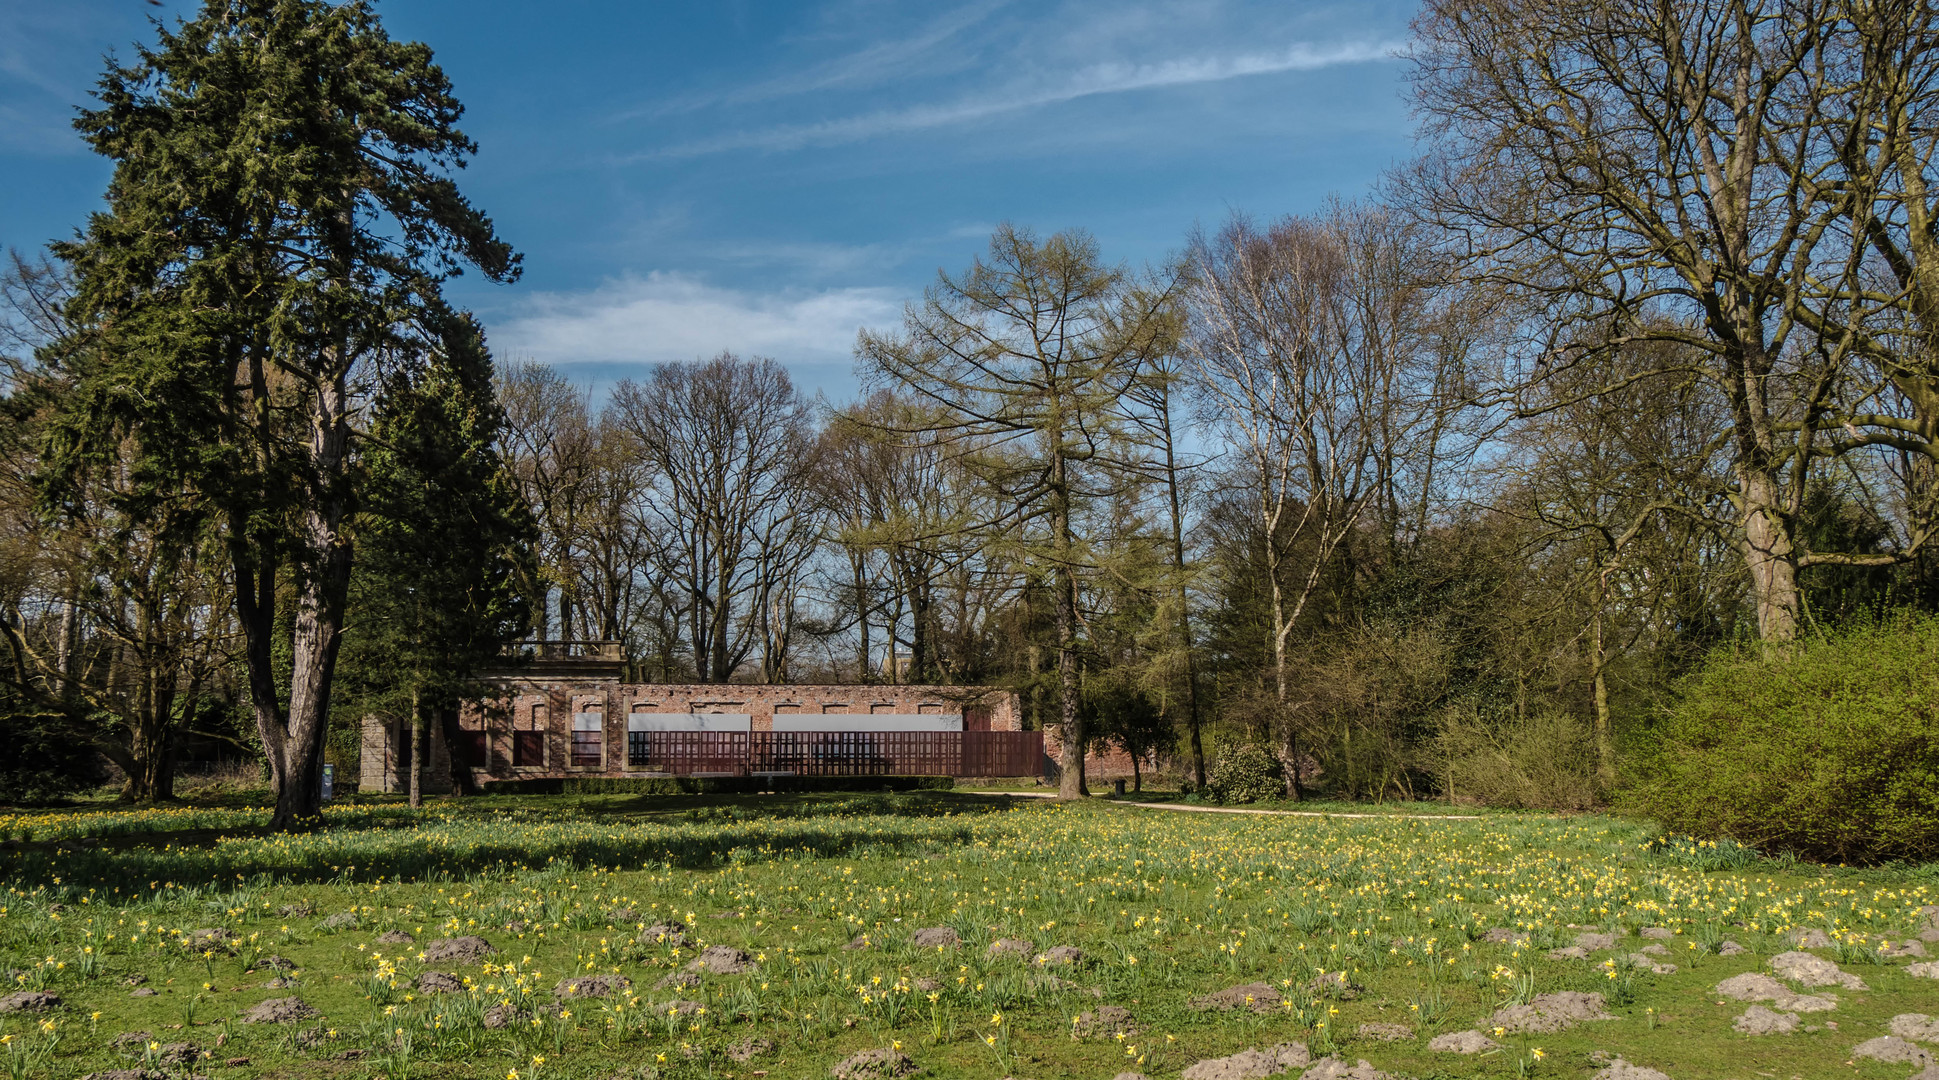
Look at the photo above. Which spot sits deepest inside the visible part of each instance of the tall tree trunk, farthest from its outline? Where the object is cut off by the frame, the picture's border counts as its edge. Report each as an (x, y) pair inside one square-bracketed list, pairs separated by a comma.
[(1599, 684), (319, 617), (1282, 626), (1064, 579), (865, 652), (1183, 600), (64, 655), (417, 751), (1770, 556)]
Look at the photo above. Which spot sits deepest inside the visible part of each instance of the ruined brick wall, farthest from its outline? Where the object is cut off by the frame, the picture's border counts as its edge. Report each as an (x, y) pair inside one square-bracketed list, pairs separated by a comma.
[(535, 702), (382, 760), (1108, 765)]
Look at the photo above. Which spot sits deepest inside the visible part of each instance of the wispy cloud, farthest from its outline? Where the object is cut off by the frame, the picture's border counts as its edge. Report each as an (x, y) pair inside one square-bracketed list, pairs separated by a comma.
[(1096, 79), (668, 316), (872, 65)]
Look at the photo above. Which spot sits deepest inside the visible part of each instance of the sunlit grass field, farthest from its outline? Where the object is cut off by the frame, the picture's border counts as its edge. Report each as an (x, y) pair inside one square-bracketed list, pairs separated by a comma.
[(158, 930)]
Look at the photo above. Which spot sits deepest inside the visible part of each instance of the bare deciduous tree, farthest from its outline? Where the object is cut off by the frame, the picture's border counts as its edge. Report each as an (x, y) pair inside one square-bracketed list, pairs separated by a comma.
[(1308, 340), (727, 515)]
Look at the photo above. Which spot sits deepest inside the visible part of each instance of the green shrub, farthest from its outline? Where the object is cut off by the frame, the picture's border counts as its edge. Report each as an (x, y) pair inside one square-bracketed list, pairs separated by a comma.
[(1826, 749), (1545, 762), (1245, 772)]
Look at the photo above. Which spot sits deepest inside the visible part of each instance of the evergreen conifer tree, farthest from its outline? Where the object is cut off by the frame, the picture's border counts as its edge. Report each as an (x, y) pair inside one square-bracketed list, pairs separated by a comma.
[(278, 227)]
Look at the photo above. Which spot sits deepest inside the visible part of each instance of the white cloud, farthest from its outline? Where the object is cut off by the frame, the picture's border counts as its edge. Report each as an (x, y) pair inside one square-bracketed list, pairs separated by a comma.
[(1105, 78), (668, 316)]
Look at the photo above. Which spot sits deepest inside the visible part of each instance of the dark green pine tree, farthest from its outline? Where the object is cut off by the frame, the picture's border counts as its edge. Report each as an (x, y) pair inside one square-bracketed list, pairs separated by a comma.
[(280, 221), (443, 539)]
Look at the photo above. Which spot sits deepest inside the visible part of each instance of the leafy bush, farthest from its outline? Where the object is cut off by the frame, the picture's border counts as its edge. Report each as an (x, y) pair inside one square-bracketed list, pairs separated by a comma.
[(1545, 762), (1826, 749), (1246, 772)]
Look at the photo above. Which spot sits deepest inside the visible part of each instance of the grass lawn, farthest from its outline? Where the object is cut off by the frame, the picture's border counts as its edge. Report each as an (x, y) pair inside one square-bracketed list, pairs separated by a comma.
[(161, 931)]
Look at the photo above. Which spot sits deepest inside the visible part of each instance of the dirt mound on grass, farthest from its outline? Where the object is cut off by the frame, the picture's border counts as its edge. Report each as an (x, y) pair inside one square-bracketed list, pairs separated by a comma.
[(1009, 946), (458, 950), (131, 1042), (439, 982), (748, 1049), (1809, 970), (936, 937), (1623, 1070), (396, 937), (499, 1016), (1258, 996), (590, 986), (1893, 1051), (1335, 984), (1462, 1042), (1552, 1012), (671, 934), (211, 937), (879, 1064), (723, 960), (1106, 1021), (1758, 1020), (29, 1001), (1250, 1064), (1383, 1032), (1917, 1027), (1646, 962), (287, 1010), (178, 1054), (1332, 1068)]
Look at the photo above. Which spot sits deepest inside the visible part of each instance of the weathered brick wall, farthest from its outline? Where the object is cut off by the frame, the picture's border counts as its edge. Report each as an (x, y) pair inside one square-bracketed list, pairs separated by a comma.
[(537, 702), (1109, 765), (381, 759), (557, 699)]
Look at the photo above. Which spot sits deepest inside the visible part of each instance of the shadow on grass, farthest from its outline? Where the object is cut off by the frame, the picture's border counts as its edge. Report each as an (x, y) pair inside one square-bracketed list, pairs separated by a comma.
[(459, 838)]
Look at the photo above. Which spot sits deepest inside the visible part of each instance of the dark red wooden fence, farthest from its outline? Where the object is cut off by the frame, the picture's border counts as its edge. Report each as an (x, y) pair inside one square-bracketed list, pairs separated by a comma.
[(837, 753)]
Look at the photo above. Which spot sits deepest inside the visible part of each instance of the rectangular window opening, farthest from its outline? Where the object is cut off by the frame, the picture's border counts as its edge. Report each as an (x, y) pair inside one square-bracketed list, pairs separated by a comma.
[(528, 748), (588, 739)]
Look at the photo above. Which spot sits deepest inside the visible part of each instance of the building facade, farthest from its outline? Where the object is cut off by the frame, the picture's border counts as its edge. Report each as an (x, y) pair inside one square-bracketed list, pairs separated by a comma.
[(565, 712)]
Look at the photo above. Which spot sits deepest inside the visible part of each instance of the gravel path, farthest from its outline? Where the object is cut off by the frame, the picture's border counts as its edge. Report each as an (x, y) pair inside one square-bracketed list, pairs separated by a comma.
[(1233, 809)]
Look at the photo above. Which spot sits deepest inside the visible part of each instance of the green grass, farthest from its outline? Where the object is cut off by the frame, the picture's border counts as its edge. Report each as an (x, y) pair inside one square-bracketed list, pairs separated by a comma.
[(1166, 906)]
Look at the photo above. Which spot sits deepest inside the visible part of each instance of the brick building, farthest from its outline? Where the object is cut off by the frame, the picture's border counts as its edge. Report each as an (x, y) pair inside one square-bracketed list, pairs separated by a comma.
[(566, 713)]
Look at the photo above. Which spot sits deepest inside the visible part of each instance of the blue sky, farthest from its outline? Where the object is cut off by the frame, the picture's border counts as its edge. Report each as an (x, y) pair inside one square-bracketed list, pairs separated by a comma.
[(767, 177)]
